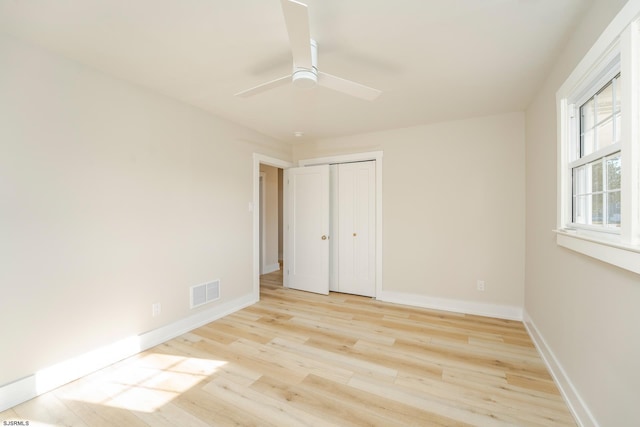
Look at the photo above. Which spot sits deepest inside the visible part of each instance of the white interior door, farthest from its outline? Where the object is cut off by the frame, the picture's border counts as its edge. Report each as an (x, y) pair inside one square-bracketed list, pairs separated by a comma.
[(308, 231), (356, 228)]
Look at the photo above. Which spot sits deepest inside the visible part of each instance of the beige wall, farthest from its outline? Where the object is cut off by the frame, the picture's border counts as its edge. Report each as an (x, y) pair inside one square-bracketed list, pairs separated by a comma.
[(453, 206), (111, 198), (271, 210), (587, 311)]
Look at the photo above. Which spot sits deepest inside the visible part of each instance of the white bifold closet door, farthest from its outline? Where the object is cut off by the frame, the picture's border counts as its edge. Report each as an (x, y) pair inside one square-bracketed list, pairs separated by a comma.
[(307, 240), (331, 225), (353, 224)]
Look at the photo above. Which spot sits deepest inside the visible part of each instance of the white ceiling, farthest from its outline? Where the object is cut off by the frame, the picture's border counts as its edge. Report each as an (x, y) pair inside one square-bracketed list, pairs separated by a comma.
[(434, 60)]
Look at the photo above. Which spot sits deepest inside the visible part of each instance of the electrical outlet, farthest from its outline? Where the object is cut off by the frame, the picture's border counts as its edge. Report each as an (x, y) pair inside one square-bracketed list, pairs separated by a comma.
[(481, 285), (155, 309)]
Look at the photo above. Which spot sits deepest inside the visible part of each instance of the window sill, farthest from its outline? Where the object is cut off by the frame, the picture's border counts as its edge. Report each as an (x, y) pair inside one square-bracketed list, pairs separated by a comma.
[(608, 250)]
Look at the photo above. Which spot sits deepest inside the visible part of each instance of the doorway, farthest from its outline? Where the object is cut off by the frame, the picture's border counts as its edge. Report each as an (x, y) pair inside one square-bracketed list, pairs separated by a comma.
[(254, 207), (270, 211), (259, 159)]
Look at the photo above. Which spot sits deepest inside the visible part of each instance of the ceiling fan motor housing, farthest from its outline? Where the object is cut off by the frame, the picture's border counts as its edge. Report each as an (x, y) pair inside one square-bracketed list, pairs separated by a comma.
[(306, 78)]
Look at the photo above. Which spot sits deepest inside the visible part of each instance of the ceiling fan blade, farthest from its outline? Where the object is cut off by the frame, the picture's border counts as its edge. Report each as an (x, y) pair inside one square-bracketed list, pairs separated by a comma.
[(264, 87), (296, 16), (347, 86)]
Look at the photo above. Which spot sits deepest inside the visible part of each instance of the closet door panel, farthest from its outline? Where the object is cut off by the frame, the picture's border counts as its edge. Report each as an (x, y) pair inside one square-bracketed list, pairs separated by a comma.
[(346, 228), (334, 231), (308, 228), (356, 228), (365, 248)]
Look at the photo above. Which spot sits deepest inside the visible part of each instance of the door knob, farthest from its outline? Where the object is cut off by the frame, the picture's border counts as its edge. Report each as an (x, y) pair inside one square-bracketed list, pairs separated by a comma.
[(324, 237), (354, 234)]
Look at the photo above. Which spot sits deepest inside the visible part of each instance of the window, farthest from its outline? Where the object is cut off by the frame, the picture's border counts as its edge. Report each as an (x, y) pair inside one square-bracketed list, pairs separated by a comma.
[(599, 148), (596, 181)]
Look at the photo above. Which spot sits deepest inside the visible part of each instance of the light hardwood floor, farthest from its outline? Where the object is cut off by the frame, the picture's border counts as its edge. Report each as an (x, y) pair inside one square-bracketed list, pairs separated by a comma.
[(303, 359)]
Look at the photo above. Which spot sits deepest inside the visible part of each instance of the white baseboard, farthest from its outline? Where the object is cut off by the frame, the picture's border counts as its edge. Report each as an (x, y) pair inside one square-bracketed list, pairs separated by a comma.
[(577, 406), (457, 306), (271, 268), (19, 391)]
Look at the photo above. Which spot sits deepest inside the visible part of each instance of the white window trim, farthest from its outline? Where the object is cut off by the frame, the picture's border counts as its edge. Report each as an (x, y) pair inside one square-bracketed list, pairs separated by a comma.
[(620, 40)]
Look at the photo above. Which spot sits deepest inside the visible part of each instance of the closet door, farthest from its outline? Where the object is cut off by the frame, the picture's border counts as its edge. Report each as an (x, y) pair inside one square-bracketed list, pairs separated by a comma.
[(307, 265), (356, 228)]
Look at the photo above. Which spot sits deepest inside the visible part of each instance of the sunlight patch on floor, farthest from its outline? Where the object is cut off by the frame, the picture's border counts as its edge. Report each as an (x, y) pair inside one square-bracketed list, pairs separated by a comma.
[(144, 384), (49, 378)]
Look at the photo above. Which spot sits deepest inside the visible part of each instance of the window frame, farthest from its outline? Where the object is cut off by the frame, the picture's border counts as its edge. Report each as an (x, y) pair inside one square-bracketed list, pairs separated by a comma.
[(616, 51), (575, 160), (604, 192)]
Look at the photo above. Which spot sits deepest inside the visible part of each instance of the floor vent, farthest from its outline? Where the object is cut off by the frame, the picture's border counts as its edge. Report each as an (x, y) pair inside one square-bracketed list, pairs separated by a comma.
[(207, 292)]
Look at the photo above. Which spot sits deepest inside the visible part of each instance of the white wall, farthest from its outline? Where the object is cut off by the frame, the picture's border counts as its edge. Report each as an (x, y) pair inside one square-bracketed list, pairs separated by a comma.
[(271, 223), (111, 198), (586, 311), (453, 208)]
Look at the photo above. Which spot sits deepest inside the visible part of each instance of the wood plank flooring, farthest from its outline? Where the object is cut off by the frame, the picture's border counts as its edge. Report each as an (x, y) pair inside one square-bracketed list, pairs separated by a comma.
[(303, 359)]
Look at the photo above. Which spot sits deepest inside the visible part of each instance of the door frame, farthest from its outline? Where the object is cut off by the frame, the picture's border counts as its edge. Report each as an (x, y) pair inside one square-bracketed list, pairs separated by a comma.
[(263, 221), (362, 157), (254, 207), (283, 164)]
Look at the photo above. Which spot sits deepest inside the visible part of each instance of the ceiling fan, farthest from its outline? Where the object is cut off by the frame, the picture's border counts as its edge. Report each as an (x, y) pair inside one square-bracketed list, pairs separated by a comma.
[(305, 60)]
